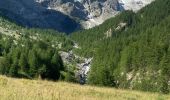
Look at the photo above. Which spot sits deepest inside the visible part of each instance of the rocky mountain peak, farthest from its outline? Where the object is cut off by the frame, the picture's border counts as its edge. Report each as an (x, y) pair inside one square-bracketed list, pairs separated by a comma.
[(88, 12), (93, 12), (66, 15)]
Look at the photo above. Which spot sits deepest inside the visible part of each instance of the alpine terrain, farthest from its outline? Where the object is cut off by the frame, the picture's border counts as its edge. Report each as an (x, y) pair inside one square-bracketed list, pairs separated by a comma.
[(66, 14), (84, 49)]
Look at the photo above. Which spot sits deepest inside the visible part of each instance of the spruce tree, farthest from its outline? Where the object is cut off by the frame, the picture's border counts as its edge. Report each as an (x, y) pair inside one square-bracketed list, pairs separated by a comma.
[(33, 63)]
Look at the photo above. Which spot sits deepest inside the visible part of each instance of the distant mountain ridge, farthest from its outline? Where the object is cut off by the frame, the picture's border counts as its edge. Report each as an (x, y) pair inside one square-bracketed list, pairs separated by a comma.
[(65, 15), (93, 12)]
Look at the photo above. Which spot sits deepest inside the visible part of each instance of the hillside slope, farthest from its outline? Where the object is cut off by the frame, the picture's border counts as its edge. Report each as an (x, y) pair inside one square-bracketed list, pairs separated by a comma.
[(31, 53), (32, 14), (131, 50), (22, 89)]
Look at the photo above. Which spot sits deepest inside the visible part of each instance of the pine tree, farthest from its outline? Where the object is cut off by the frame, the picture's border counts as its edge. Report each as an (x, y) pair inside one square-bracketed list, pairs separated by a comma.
[(13, 71), (4, 65), (23, 63), (33, 63), (165, 74), (42, 70)]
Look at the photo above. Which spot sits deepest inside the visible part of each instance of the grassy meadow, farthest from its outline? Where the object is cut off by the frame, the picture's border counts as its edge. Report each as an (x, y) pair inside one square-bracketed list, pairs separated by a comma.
[(23, 89)]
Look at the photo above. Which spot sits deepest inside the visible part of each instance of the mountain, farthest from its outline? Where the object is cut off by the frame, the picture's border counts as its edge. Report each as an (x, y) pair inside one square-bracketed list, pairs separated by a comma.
[(131, 50), (65, 15), (31, 14), (89, 12), (93, 12)]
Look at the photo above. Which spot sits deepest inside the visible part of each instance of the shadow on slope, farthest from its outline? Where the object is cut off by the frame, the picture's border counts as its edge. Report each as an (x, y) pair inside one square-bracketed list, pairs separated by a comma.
[(31, 14)]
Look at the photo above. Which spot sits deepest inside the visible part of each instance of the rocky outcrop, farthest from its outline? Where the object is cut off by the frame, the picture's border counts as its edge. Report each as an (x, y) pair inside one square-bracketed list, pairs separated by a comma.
[(82, 66)]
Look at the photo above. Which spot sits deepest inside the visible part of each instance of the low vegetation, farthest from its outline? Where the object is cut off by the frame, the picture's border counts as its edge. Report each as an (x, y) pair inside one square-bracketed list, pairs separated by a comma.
[(22, 89)]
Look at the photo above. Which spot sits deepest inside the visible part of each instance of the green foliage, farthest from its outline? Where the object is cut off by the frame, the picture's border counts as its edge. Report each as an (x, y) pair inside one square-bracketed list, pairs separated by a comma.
[(90, 39), (135, 56), (33, 61), (33, 54), (131, 50), (4, 66)]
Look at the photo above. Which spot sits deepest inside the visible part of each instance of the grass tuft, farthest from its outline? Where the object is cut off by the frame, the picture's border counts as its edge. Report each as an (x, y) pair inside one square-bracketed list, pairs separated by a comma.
[(23, 89)]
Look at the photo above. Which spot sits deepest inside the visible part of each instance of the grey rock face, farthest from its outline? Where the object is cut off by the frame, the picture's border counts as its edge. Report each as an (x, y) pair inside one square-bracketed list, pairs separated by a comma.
[(93, 12), (66, 15), (88, 12)]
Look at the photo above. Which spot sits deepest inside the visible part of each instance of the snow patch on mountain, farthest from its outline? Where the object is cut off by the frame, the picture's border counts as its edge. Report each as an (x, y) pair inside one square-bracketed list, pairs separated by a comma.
[(134, 5)]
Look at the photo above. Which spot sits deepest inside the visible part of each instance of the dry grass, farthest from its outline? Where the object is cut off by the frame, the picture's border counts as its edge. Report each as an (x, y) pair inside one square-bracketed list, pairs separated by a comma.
[(22, 89)]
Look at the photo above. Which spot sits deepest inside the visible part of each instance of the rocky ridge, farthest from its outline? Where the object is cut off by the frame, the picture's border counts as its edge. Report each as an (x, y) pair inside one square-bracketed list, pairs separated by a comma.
[(93, 12), (66, 15)]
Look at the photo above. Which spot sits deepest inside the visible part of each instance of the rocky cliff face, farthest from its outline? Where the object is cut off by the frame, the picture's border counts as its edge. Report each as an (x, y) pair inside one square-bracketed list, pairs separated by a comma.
[(88, 12), (93, 12), (66, 15)]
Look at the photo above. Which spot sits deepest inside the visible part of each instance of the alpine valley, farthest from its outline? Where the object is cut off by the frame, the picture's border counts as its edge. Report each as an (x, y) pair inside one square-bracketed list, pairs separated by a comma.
[(107, 44)]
